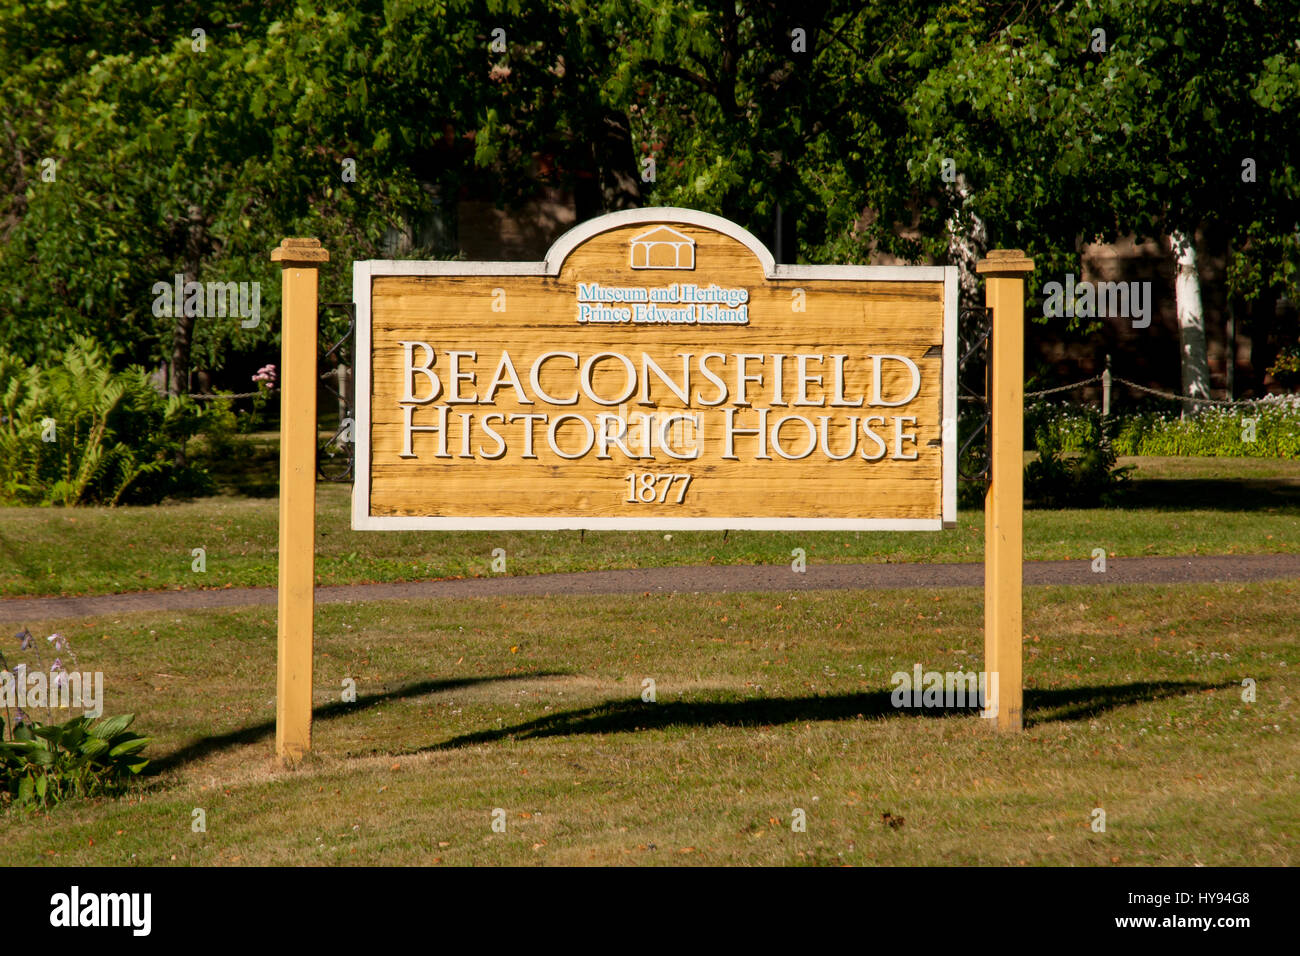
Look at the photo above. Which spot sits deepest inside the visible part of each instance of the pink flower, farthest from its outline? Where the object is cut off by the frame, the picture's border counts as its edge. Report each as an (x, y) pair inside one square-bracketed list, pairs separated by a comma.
[(266, 376)]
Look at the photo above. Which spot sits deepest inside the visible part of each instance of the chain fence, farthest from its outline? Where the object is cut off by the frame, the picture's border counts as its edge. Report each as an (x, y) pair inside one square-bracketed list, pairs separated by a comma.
[(1195, 400), (1170, 396), (1117, 380), (207, 396), (1063, 388)]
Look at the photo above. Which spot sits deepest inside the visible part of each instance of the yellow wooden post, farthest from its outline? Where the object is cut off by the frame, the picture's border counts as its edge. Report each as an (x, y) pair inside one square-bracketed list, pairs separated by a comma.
[(1005, 270), (300, 261)]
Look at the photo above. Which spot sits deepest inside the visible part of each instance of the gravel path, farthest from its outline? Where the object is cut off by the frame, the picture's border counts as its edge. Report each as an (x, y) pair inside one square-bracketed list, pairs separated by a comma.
[(710, 578)]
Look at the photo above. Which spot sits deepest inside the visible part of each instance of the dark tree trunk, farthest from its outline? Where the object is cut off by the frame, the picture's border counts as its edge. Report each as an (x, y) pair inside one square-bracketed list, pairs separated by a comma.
[(620, 175), (182, 340), (195, 248)]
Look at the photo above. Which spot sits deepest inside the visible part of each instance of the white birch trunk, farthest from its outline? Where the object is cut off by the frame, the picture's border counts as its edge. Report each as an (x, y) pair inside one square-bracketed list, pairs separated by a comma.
[(966, 247), (1191, 320)]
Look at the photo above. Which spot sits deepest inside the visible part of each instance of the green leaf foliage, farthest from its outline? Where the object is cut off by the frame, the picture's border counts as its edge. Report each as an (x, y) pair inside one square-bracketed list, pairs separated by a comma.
[(1266, 429), (77, 433), (174, 160), (45, 764)]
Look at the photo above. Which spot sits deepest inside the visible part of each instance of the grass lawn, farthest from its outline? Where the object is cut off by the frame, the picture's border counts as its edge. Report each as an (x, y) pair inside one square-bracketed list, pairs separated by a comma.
[(766, 703), (1176, 506)]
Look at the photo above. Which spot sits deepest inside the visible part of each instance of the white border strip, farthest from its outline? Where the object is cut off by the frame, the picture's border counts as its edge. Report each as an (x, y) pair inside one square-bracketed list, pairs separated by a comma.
[(364, 271), (577, 522), (361, 384), (948, 418)]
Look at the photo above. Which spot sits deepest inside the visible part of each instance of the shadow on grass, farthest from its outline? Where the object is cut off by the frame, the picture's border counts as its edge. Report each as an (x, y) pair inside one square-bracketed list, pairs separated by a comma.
[(1083, 703), (246, 469), (629, 716), (626, 716), (1211, 494), (266, 730), (1281, 495)]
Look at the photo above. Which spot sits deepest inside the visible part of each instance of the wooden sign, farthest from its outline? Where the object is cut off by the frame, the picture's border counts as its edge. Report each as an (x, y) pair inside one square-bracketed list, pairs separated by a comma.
[(657, 371)]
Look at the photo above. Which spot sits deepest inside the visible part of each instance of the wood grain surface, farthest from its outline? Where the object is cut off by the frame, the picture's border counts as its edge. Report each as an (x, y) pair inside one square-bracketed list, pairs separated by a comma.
[(528, 316)]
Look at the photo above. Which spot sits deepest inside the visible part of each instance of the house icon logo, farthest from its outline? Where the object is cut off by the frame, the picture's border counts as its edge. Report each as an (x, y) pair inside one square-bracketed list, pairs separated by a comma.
[(663, 248)]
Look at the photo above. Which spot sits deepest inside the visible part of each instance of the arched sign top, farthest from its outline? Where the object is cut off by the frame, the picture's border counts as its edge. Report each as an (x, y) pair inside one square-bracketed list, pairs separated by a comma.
[(665, 215)]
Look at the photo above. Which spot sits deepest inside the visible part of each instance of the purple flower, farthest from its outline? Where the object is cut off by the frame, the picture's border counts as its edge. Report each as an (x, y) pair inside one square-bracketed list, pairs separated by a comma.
[(24, 639), (57, 639)]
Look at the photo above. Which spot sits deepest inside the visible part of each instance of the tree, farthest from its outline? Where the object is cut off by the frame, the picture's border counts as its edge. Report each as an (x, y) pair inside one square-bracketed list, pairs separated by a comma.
[(189, 141), (836, 130), (1132, 117), (1218, 151)]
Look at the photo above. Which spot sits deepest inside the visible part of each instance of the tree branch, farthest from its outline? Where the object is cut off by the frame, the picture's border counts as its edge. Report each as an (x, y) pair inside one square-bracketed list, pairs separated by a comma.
[(673, 69)]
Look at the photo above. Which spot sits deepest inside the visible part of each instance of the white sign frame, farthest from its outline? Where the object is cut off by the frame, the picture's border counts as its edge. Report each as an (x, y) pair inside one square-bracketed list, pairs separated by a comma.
[(364, 271)]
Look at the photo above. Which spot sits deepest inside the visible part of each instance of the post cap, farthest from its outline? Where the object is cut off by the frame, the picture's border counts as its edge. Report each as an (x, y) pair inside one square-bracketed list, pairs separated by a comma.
[(1005, 261), (300, 250)]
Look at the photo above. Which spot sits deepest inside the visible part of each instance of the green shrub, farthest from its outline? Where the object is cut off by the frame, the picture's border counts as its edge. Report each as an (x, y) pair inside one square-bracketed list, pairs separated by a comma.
[(1088, 479), (1215, 431), (79, 433), (43, 764), (220, 439), (1071, 428), (1286, 369)]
